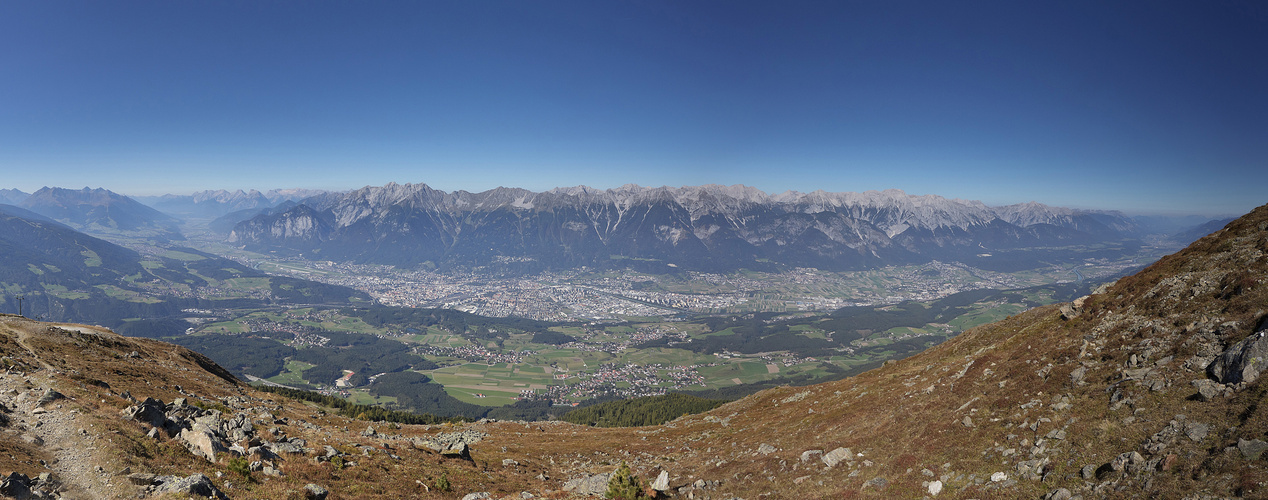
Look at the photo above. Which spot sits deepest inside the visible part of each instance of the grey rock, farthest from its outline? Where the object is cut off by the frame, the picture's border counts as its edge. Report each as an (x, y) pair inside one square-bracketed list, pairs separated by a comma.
[(877, 482), (1243, 361), (1207, 389), (16, 485), (49, 397), (1252, 448), (284, 447), (1059, 494), (195, 484), (314, 492), (834, 457), (369, 431), (589, 485), (457, 450), (1089, 472), (478, 496), (203, 442), (765, 449), (150, 411), (1076, 376), (1197, 431), (809, 455), (967, 421), (662, 481)]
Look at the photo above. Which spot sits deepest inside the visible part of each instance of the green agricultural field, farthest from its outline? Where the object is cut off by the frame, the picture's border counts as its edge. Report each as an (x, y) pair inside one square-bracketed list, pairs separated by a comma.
[(809, 331), (724, 375), (906, 330), (128, 295), (251, 284), (665, 356), (500, 384), (182, 256), (363, 397), (292, 374), (91, 259), (982, 317)]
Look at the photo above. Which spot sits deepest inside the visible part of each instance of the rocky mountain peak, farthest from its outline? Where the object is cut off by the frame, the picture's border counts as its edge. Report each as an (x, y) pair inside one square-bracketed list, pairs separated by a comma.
[(708, 227)]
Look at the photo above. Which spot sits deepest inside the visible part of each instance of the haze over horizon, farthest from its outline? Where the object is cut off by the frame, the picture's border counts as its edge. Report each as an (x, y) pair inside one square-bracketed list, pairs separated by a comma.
[(1144, 107)]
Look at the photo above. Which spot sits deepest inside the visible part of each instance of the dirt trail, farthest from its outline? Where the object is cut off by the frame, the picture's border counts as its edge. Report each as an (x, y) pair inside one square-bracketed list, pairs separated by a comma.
[(78, 457)]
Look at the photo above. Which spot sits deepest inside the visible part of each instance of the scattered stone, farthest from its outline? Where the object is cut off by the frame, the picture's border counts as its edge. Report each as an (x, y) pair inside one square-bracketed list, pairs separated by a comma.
[(765, 449), (935, 487), (369, 431), (1076, 376), (1197, 431), (457, 450), (195, 484), (968, 421), (1251, 449), (509, 462), (482, 495), (202, 441), (662, 482), (998, 476), (1089, 472), (878, 482), (809, 455), (834, 457), (1243, 361), (589, 485), (1059, 494), (48, 397), (314, 492), (16, 485), (1207, 389)]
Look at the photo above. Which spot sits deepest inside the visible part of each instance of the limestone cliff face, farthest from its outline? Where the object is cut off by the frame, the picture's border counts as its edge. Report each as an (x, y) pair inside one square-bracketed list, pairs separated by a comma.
[(699, 227), (301, 224)]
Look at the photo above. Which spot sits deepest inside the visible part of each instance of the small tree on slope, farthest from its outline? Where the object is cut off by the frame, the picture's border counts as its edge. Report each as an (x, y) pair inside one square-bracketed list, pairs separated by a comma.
[(625, 485)]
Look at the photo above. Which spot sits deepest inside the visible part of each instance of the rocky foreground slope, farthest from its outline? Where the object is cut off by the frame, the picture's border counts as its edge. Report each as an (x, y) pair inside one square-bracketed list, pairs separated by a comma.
[(1149, 388)]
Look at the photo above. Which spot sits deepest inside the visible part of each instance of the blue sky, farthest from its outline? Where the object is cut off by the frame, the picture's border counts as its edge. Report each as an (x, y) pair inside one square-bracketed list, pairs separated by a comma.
[(1147, 107)]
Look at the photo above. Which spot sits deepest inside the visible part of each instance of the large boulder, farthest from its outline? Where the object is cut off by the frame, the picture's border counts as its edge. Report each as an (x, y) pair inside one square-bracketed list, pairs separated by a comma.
[(834, 457), (662, 482), (150, 411), (589, 485), (1244, 360), (196, 484), (203, 441)]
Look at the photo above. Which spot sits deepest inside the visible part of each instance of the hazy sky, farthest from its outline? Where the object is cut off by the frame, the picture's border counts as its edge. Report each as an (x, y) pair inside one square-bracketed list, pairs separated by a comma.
[(1142, 106)]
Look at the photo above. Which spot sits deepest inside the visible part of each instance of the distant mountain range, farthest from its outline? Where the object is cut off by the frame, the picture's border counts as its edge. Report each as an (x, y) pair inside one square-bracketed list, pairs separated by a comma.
[(12, 196), (715, 228), (221, 202), (101, 210)]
